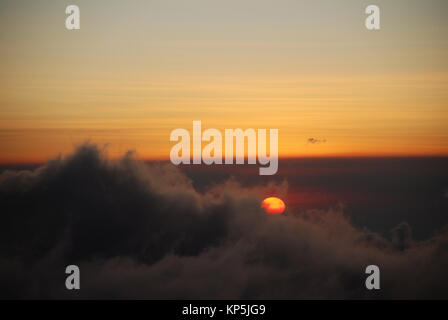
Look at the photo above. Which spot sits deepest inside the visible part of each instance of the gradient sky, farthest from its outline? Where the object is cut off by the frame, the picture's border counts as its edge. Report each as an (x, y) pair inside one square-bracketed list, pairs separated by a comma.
[(138, 69)]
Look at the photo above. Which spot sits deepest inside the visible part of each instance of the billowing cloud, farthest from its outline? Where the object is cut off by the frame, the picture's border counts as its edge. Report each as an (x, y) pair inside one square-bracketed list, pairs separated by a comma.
[(143, 231)]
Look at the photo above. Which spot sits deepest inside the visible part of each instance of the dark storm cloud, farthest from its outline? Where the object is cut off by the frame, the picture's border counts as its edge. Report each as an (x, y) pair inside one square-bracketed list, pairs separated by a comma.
[(139, 231)]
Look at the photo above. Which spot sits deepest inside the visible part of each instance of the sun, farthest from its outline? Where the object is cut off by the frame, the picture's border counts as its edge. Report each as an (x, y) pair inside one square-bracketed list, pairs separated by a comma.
[(273, 205)]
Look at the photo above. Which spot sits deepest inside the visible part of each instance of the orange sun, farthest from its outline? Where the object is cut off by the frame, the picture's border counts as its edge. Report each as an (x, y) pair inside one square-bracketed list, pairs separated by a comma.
[(273, 205)]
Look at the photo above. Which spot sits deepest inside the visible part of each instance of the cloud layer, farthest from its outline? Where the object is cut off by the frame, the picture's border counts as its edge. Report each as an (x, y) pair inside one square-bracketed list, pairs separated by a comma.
[(143, 231)]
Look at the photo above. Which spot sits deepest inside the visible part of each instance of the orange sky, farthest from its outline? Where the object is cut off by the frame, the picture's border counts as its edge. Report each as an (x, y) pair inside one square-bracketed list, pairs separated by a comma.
[(137, 70)]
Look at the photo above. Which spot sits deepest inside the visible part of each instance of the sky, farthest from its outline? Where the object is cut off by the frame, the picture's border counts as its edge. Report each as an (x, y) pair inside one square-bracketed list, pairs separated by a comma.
[(136, 70)]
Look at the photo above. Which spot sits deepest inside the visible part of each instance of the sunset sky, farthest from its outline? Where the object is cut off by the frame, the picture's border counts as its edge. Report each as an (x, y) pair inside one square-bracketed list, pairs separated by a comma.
[(139, 69), (362, 179)]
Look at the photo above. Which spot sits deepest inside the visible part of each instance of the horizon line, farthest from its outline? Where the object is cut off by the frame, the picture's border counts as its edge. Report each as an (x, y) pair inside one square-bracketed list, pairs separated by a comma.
[(304, 157)]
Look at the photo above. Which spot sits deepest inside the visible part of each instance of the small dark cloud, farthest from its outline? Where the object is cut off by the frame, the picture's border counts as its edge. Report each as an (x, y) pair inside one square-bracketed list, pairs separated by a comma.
[(316, 141), (143, 231)]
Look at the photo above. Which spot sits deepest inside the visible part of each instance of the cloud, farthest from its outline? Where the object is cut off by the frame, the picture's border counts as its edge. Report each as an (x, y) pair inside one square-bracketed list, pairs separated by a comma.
[(316, 141), (143, 231)]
